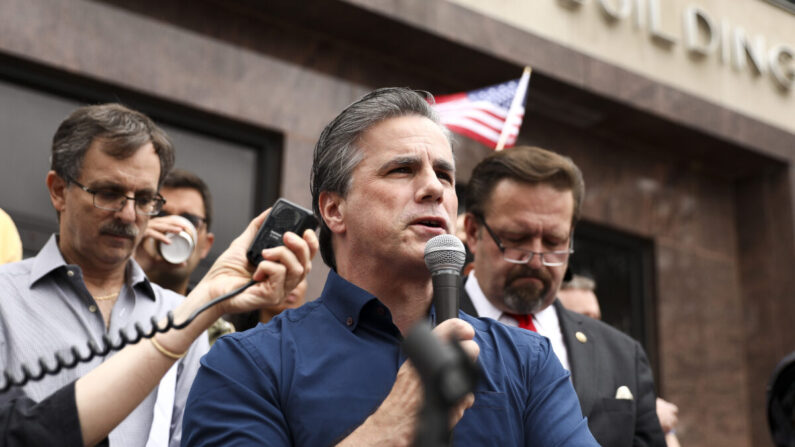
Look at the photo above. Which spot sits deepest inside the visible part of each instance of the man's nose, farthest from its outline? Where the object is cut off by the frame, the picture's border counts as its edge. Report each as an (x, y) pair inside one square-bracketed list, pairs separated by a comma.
[(536, 262), (537, 246), (127, 212), (431, 187)]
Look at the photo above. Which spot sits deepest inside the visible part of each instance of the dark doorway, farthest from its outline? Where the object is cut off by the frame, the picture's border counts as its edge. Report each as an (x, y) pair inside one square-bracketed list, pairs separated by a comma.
[(622, 265)]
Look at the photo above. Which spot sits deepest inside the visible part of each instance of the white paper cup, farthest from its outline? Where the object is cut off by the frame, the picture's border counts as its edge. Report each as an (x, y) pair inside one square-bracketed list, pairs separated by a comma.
[(182, 244)]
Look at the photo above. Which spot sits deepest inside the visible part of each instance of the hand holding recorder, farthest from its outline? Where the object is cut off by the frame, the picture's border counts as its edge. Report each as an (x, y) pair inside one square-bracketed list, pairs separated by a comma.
[(279, 242), (138, 368), (132, 373)]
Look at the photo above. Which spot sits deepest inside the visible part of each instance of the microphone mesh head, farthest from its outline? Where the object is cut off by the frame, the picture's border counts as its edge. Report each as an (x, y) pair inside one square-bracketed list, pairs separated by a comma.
[(444, 252)]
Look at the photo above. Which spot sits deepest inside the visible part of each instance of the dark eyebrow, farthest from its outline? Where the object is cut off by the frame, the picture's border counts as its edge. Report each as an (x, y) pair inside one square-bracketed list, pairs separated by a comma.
[(403, 160), (412, 160), (104, 185), (522, 235), (115, 187), (555, 239), (444, 165)]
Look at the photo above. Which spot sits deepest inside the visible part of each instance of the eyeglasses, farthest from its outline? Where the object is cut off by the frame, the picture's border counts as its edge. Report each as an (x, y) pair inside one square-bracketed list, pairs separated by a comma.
[(115, 201), (522, 256), (197, 221)]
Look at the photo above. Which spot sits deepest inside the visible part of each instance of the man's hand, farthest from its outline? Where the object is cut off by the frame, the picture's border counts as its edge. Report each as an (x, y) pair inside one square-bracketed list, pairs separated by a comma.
[(157, 230), (668, 415), (394, 423), (281, 270)]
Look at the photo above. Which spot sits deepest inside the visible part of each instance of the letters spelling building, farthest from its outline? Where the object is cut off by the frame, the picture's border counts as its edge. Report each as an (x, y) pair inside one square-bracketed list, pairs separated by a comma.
[(681, 114)]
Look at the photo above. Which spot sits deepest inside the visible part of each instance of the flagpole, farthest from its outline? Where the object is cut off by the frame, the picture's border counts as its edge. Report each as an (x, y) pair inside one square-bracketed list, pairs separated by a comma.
[(518, 99)]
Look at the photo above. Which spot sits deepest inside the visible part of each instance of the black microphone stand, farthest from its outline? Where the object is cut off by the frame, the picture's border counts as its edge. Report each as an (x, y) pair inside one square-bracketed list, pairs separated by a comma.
[(447, 375)]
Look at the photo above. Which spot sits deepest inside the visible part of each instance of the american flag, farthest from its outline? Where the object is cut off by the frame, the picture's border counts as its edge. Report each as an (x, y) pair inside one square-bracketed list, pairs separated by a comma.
[(488, 113)]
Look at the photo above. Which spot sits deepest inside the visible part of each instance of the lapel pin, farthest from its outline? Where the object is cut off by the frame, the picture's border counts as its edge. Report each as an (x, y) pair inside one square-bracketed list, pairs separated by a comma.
[(581, 337)]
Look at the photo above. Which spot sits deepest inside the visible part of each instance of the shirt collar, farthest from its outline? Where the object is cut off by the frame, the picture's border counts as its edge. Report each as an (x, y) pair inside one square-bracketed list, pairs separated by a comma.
[(135, 275), (50, 259), (546, 321), (344, 299), (479, 300), (47, 260)]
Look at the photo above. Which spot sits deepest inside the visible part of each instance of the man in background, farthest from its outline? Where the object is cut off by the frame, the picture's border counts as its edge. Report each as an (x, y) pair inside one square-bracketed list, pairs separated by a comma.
[(579, 295), (186, 196), (522, 206), (107, 165)]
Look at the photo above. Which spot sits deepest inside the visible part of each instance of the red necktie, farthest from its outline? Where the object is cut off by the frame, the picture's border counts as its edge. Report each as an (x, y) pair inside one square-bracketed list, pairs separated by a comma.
[(525, 321)]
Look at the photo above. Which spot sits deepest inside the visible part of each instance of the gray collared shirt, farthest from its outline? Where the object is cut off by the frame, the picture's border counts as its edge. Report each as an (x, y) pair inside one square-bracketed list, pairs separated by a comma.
[(46, 308)]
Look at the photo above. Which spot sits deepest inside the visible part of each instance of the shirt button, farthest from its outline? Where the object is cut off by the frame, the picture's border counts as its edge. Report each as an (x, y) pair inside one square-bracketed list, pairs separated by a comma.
[(92, 308), (349, 321), (70, 273)]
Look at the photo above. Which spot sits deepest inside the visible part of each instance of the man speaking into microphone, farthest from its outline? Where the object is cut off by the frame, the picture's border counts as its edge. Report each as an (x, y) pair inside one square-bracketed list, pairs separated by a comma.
[(332, 371)]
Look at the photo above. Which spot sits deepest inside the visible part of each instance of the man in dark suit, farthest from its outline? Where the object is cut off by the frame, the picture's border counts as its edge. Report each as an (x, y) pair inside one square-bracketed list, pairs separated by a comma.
[(522, 206)]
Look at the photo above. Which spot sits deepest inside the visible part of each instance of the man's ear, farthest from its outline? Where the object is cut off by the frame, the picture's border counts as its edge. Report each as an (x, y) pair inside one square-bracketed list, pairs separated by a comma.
[(57, 188), (209, 239), (471, 229), (332, 211)]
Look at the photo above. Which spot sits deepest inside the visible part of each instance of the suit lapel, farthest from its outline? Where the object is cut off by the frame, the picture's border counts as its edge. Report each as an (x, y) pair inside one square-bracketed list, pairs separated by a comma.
[(583, 361)]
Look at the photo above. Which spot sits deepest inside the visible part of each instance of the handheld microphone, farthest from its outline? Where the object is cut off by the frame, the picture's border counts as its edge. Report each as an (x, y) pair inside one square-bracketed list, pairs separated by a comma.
[(444, 257)]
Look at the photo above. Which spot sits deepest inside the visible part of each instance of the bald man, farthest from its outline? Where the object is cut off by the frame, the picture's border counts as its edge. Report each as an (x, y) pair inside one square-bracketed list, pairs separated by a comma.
[(579, 296)]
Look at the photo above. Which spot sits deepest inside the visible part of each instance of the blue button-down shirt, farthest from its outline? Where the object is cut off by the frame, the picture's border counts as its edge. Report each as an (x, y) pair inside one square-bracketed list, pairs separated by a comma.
[(313, 374)]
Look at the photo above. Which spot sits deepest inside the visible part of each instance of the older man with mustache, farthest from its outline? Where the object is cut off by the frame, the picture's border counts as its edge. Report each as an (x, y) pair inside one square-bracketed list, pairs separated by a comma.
[(522, 206), (107, 165)]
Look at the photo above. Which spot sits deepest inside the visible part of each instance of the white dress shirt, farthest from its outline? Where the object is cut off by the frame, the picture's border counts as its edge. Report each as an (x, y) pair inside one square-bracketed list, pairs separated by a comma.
[(546, 321)]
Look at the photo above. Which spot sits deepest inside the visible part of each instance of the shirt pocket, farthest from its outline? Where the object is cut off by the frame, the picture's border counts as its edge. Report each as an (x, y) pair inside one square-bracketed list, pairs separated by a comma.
[(490, 399)]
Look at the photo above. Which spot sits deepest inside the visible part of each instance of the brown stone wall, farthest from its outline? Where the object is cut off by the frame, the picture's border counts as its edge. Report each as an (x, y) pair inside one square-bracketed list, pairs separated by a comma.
[(765, 264)]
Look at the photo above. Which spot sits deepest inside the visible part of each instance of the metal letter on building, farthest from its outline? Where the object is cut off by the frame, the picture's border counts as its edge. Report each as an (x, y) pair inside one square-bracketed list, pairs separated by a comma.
[(614, 13), (697, 20), (755, 50), (782, 65), (654, 25), (571, 4), (725, 42)]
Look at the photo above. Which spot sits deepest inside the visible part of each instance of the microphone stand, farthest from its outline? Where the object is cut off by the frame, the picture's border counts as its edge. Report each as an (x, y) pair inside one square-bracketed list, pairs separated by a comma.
[(447, 375)]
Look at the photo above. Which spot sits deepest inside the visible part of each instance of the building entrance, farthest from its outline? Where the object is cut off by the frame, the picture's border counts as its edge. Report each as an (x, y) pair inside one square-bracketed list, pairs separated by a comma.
[(623, 267)]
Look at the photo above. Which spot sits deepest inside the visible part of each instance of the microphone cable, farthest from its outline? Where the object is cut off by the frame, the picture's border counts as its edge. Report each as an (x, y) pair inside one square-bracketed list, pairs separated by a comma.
[(108, 345)]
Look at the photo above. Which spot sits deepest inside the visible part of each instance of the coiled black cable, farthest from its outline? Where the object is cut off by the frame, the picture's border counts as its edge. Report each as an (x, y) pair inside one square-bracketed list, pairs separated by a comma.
[(108, 345)]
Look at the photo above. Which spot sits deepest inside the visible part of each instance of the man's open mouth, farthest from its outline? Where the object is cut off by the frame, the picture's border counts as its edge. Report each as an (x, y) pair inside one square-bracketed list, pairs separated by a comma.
[(430, 223)]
